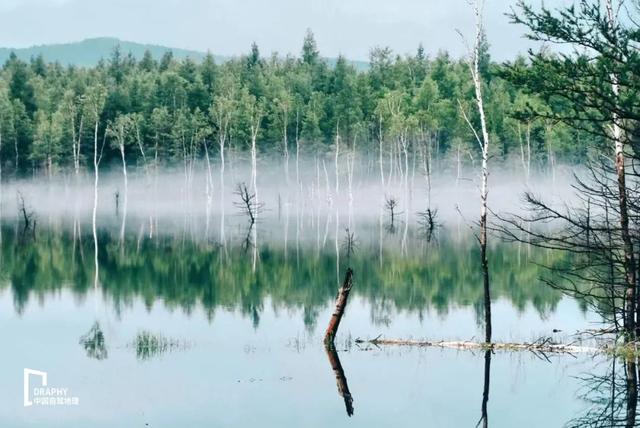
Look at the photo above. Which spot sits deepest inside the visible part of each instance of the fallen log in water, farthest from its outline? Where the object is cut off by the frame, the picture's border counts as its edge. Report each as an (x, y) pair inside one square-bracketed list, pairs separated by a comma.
[(544, 346)]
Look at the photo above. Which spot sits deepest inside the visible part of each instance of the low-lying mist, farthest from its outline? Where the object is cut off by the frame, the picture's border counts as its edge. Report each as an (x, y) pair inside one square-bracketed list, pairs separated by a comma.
[(354, 196)]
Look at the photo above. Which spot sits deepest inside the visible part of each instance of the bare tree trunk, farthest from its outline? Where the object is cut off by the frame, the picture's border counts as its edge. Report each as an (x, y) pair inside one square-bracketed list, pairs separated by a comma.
[(483, 141), (458, 169), (95, 203), (337, 166), (76, 140), (380, 151), (326, 179), (341, 304), (126, 192), (255, 127), (285, 142), (631, 393), (350, 166), (631, 304), (15, 146), (298, 184), (254, 161), (209, 187), (528, 151)]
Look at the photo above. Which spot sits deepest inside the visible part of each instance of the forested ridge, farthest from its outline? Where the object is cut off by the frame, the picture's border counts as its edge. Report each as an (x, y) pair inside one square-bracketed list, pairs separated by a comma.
[(170, 112)]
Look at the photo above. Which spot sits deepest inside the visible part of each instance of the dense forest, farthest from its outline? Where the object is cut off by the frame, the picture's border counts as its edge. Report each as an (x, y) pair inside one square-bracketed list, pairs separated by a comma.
[(175, 112)]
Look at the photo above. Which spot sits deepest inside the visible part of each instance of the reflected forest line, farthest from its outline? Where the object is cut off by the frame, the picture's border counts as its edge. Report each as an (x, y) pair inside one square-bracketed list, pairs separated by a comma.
[(185, 273)]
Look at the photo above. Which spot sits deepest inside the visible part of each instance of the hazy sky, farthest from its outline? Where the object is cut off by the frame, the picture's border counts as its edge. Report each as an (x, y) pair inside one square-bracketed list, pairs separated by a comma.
[(227, 27)]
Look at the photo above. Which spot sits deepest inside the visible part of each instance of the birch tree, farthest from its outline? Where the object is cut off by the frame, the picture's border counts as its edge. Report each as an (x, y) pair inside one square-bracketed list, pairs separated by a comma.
[(96, 97), (483, 141)]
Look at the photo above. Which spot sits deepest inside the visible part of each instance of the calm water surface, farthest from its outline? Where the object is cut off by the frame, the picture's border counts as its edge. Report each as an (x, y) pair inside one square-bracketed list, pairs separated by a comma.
[(241, 346)]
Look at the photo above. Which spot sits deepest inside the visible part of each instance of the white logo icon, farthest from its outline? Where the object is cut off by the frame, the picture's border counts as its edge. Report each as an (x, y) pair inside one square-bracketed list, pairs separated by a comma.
[(27, 390), (44, 395)]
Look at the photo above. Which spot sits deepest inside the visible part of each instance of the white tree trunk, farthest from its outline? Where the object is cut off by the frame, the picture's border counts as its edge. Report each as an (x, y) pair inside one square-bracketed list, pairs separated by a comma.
[(337, 166), (126, 192), (95, 203)]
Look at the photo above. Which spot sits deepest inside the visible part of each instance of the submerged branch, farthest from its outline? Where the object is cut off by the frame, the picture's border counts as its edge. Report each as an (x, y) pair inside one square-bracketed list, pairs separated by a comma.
[(545, 345)]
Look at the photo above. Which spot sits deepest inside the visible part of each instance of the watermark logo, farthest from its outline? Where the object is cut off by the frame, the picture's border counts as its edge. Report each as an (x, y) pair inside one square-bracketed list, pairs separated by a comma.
[(43, 394)]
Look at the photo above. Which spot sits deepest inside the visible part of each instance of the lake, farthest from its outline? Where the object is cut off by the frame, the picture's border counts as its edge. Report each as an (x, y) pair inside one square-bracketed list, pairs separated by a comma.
[(201, 320)]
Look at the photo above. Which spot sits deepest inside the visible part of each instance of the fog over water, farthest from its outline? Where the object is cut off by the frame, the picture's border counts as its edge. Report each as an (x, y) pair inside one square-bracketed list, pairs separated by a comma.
[(170, 195)]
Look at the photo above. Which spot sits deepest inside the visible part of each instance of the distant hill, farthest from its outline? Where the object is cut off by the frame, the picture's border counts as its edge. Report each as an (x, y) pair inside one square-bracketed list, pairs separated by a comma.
[(89, 52)]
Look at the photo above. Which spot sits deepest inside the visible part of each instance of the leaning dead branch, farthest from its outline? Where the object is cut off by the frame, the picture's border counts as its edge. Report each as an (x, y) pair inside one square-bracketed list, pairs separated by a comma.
[(341, 304)]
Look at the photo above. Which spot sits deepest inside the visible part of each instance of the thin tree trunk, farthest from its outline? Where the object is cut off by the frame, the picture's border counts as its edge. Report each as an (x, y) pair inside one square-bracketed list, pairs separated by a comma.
[(95, 203), (632, 304), (297, 149), (380, 150), (484, 145), (126, 191), (285, 142), (336, 161)]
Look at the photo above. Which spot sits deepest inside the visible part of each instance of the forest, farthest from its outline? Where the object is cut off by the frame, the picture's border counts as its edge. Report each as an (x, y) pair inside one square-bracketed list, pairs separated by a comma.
[(174, 113), (469, 204)]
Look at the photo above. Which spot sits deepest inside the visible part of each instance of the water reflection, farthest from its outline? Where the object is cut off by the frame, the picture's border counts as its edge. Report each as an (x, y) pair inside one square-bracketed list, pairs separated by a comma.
[(185, 273), (94, 344), (484, 418), (341, 379), (612, 396), (398, 276)]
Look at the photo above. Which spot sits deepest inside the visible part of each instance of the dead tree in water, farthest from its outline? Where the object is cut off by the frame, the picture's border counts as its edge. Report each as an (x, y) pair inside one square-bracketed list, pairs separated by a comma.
[(248, 203), (341, 304), (27, 216), (427, 219), (428, 223), (350, 242), (391, 203)]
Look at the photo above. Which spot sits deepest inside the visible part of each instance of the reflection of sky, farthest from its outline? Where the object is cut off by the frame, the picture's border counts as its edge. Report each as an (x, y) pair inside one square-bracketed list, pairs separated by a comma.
[(235, 375)]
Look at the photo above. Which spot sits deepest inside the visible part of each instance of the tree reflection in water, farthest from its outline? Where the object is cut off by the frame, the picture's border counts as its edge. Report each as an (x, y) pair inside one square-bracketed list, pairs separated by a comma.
[(613, 397), (93, 343)]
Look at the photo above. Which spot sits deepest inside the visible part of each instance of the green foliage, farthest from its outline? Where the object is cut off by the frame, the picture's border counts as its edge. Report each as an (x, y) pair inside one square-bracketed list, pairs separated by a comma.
[(404, 101)]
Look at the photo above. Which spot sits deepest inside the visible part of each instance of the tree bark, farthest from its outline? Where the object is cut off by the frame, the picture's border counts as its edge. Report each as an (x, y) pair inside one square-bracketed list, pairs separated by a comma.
[(631, 304), (341, 304)]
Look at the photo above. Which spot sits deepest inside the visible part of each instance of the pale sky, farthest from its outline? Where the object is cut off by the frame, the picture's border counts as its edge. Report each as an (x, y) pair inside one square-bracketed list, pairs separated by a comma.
[(227, 27)]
